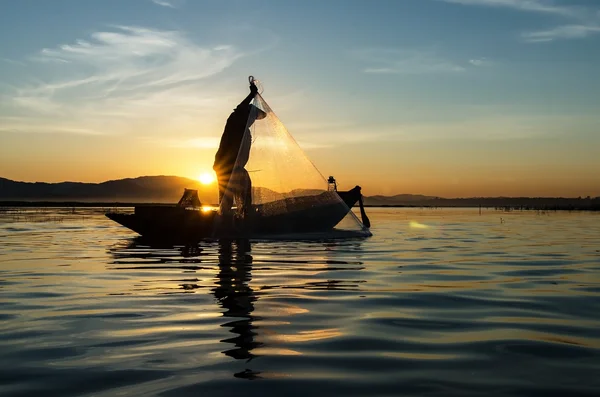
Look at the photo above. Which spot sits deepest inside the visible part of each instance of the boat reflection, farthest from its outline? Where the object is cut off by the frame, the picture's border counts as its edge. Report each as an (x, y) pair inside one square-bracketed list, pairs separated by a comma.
[(236, 297), (231, 288)]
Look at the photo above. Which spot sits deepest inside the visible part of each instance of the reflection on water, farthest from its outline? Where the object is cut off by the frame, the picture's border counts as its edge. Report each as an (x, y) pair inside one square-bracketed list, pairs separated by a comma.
[(445, 302), (237, 299), (232, 290)]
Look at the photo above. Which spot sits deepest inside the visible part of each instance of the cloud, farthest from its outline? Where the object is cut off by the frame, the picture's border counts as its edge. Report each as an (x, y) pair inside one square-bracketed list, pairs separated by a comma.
[(584, 20), (489, 128), (191, 143), (164, 3), (479, 62), (312, 145), (561, 32), (523, 5), (393, 61), (122, 80), (13, 62), (474, 123), (17, 127), (136, 56), (310, 126)]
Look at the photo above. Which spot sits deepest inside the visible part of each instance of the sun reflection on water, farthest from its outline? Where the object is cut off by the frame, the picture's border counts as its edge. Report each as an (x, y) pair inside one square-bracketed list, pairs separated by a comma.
[(417, 225)]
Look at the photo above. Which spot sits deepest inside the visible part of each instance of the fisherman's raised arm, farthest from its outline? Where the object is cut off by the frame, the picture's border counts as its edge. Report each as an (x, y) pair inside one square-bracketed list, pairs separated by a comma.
[(249, 98)]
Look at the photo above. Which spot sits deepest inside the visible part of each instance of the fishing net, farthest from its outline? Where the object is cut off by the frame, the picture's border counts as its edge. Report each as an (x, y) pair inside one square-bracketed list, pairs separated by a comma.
[(275, 190)]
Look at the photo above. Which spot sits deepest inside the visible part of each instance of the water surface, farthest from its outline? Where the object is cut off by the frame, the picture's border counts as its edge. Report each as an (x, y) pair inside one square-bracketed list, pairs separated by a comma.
[(437, 302)]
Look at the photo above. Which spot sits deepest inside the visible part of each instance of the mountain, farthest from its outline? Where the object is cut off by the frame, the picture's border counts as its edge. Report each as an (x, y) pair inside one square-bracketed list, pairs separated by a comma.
[(399, 199), (142, 189)]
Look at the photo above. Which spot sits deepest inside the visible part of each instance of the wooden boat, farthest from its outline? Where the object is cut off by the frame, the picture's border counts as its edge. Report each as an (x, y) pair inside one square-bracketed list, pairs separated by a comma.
[(187, 221)]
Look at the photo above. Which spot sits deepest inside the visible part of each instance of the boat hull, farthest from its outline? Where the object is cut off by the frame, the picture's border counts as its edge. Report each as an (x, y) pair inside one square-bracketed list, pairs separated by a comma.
[(176, 223)]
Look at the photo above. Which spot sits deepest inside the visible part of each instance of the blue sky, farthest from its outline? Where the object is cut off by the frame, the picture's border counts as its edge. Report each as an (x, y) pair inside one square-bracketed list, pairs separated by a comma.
[(445, 97)]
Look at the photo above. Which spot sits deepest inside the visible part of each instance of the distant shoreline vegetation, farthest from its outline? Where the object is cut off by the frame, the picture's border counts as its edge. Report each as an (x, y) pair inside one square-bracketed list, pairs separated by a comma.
[(496, 203), (507, 203)]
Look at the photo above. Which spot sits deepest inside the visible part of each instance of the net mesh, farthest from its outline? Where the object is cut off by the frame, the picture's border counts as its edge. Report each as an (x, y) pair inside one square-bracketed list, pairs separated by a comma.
[(275, 189)]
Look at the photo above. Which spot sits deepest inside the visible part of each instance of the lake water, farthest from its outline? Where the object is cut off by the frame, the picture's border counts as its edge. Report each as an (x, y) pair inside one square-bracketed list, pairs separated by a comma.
[(437, 302)]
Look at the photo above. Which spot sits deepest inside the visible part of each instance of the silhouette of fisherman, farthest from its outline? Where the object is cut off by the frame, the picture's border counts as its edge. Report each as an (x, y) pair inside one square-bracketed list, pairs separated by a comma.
[(233, 154)]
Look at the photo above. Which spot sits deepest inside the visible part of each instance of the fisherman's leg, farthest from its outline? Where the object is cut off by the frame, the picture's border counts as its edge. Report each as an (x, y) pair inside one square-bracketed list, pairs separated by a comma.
[(242, 191), (247, 193), (225, 194)]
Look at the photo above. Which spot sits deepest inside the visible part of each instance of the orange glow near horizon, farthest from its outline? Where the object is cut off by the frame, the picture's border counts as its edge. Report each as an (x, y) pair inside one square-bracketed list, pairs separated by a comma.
[(378, 170)]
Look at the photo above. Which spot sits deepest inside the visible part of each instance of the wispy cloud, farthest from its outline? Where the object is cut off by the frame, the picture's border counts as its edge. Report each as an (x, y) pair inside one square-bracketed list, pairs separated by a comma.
[(20, 125), (562, 32), (524, 5), (488, 128), (479, 62), (582, 21), (307, 127), (355, 135), (164, 3), (127, 79), (135, 57), (476, 123), (191, 143), (13, 62), (394, 61)]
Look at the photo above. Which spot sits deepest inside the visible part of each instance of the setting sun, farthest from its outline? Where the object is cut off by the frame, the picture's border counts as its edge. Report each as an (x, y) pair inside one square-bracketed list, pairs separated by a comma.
[(206, 178)]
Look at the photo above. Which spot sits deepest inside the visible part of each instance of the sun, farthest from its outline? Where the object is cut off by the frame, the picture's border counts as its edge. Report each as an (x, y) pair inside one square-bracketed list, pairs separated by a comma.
[(206, 178)]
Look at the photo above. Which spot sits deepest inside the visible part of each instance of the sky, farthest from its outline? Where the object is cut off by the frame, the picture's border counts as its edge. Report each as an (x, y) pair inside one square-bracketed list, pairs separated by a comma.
[(452, 98)]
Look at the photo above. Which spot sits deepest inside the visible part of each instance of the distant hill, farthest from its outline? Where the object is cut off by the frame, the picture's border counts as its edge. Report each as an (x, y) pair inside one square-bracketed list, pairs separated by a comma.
[(399, 199), (143, 189)]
